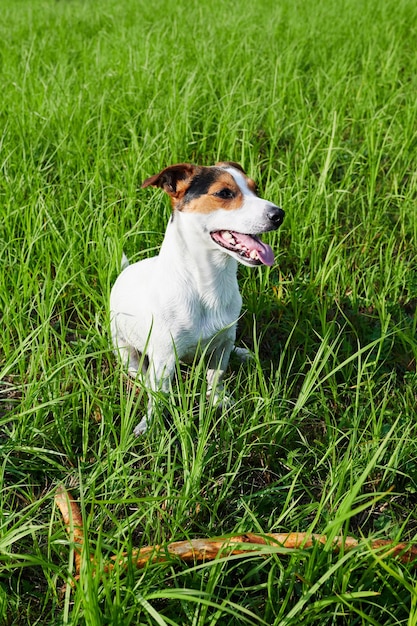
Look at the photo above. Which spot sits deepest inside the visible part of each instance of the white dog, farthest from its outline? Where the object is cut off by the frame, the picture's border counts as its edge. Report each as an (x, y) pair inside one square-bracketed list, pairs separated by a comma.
[(187, 298)]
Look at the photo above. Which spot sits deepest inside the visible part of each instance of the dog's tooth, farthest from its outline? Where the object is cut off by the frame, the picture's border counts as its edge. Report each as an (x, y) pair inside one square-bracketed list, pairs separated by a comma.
[(253, 254), (227, 236)]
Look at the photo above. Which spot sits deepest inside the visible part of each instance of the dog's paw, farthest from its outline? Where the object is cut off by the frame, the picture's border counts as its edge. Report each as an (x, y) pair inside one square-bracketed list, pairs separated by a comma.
[(243, 354), (220, 400), (141, 427), (225, 403)]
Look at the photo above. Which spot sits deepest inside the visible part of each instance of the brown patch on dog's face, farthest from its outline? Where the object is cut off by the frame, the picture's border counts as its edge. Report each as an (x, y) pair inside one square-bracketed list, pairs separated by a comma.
[(249, 181), (252, 186), (212, 189), (197, 189)]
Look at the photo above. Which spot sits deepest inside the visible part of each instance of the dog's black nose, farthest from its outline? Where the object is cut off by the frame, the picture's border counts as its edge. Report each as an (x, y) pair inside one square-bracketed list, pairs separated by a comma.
[(276, 215)]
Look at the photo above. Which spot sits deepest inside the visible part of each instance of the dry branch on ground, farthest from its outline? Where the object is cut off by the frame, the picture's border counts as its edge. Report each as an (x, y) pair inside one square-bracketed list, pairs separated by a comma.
[(206, 549)]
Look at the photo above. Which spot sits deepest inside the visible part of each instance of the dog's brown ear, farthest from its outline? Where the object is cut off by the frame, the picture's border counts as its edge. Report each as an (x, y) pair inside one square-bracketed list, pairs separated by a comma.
[(174, 179), (231, 164)]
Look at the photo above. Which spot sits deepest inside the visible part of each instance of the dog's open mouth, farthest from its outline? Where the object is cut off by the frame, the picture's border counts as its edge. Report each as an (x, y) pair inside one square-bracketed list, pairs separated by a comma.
[(249, 247)]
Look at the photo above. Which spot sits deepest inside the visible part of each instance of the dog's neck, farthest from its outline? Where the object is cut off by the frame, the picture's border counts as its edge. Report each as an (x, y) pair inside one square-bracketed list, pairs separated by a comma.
[(210, 271)]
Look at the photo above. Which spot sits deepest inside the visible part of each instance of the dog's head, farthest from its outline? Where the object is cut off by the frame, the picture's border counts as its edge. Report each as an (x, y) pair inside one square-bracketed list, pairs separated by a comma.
[(226, 200)]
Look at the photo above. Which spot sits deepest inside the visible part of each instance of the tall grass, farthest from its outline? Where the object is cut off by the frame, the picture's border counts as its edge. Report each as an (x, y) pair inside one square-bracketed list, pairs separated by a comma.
[(317, 101)]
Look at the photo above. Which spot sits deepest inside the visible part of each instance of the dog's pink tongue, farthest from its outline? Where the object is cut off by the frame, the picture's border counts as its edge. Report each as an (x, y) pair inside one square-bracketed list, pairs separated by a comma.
[(265, 252)]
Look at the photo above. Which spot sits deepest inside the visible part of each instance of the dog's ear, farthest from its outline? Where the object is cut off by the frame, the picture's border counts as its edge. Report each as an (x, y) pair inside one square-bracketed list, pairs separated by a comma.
[(231, 164), (174, 179)]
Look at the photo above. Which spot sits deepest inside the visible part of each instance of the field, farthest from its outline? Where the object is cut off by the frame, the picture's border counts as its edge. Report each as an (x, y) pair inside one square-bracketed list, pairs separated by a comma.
[(318, 102)]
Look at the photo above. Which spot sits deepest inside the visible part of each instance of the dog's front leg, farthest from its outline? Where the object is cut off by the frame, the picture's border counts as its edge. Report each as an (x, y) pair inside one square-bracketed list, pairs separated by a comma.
[(217, 365), (159, 380)]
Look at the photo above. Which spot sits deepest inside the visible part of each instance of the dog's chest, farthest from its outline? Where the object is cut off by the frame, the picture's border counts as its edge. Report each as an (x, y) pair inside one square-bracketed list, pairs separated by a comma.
[(201, 325)]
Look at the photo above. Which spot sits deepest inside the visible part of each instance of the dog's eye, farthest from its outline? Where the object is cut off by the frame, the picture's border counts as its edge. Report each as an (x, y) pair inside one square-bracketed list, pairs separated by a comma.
[(225, 194)]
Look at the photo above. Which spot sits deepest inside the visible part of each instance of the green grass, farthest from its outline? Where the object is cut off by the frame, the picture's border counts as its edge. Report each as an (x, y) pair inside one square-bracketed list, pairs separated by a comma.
[(318, 103)]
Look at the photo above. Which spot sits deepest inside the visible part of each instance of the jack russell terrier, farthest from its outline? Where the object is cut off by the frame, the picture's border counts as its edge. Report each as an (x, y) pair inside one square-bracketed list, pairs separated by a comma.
[(186, 298)]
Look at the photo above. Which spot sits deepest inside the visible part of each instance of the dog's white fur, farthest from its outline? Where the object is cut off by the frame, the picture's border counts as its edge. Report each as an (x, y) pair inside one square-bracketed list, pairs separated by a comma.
[(187, 298)]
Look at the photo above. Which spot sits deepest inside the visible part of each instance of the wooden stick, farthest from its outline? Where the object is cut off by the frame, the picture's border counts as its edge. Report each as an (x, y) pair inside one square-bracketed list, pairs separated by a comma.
[(208, 549), (198, 550), (71, 515)]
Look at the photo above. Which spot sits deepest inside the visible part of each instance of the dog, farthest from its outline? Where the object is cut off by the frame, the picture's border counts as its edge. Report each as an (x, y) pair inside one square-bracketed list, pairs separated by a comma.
[(167, 307)]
